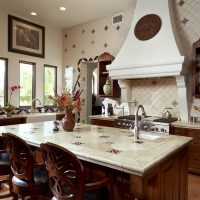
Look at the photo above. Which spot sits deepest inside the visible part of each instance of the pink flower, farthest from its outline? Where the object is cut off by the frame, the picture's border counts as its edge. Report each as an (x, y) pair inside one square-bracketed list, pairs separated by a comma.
[(12, 89)]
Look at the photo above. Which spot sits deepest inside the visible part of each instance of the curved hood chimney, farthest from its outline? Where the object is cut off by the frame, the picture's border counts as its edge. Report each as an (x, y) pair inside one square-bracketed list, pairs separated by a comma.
[(151, 48)]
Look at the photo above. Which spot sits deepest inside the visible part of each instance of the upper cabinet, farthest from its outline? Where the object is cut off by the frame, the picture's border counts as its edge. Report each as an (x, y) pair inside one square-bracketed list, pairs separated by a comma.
[(107, 87), (196, 68)]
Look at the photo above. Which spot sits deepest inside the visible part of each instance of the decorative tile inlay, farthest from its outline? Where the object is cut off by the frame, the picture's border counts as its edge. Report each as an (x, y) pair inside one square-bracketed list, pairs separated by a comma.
[(104, 136), (93, 31), (108, 142), (174, 103), (185, 21), (78, 143), (114, 151), (106, 28), (118, 27), (181, 2)]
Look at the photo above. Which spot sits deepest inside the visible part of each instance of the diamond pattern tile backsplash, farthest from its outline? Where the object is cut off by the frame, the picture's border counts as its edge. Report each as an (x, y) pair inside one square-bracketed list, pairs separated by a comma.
[(93, 38)]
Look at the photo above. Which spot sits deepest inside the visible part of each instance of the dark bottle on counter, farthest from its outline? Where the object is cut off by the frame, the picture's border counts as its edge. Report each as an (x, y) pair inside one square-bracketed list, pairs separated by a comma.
[(110, 109)]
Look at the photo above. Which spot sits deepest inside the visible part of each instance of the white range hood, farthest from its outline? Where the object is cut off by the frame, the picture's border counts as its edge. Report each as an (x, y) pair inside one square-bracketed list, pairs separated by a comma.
[(160, 55), (156, 57)]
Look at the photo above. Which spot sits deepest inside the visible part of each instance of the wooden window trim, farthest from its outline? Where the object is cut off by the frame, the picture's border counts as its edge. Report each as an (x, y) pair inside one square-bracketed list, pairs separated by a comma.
[(5, 80)]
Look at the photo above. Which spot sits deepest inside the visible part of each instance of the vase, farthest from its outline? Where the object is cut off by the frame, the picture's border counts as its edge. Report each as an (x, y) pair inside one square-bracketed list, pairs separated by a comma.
[(68, 121), (106, 88), (9, 110)]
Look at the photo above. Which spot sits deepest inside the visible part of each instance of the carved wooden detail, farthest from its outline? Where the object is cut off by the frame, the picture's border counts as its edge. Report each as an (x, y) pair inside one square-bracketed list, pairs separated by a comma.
[(147, 27), (67, 176), (105, 57), (104, 60), (64, 172)]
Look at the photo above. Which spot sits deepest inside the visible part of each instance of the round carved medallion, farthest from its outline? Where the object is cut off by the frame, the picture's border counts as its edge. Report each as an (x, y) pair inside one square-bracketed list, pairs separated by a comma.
[(147, 27)]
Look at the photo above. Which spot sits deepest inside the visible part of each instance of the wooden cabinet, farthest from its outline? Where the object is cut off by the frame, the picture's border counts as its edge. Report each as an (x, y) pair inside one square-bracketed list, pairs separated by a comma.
[(194, 147), (103, 60), (168, 180), (12, 121), (196, 68), (102, 122)]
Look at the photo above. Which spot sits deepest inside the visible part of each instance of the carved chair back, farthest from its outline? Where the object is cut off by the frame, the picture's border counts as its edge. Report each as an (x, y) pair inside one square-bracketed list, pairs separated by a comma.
[(5, 170), (20, 156), (65, 172)]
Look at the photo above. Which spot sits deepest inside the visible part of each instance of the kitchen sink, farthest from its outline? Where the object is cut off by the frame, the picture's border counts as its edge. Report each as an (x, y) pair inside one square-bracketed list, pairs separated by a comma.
[(40, 117), (148, 137), (140, 145)]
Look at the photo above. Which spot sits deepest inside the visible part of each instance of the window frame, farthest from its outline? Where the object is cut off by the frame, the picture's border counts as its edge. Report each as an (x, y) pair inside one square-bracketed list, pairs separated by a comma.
[(5, 80), (56, 81), (33, 80)]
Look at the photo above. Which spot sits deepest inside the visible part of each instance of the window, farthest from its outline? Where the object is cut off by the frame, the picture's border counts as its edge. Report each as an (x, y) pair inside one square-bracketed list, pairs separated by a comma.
[(50, 83), (69, 78), (3, 81), (27, 82)]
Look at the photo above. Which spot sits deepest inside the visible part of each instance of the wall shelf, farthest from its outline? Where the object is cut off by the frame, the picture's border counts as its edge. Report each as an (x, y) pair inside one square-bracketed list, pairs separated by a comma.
[(103, 60), (196, 69)]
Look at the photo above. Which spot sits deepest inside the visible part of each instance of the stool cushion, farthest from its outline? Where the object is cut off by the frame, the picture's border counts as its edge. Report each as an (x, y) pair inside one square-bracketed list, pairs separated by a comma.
[(98, 194), (39, 174)]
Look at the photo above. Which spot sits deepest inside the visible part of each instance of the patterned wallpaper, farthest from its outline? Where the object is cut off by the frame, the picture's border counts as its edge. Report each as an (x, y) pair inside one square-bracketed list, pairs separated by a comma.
[(93, 38)]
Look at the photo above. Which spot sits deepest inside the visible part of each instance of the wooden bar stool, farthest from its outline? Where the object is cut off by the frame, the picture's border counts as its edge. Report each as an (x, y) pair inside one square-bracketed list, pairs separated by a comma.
[(67, 179), (5, 170), (28, 180)]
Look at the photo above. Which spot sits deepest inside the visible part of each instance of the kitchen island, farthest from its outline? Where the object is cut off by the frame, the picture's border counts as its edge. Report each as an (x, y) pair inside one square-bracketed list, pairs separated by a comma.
[(155, 168)]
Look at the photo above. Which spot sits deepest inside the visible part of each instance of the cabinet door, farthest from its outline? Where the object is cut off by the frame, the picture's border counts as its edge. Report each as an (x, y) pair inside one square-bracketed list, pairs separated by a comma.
[(170, 180), (194, 147), (194, 151)]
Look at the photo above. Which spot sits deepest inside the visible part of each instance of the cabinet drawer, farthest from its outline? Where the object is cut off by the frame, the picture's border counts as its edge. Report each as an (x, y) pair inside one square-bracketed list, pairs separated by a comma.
[(100, 122), (178, 131)]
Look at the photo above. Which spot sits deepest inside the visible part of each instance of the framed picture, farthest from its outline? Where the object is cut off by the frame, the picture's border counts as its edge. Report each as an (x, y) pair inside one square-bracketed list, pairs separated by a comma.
[(25, 37)]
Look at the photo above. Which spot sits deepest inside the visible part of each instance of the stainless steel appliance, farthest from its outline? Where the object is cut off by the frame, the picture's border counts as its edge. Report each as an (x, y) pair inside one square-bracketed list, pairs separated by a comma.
[(147, 124)]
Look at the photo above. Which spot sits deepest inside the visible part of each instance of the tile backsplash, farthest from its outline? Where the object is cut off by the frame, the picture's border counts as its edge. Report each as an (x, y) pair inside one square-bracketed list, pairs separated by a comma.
[(91, 39)]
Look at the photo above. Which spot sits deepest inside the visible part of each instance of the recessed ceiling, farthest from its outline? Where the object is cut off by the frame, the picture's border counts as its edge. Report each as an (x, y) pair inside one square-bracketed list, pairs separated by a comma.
[(77, 11)]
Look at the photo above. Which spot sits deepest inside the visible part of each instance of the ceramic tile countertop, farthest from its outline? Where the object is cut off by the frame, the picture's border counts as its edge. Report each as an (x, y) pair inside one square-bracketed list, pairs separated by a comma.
[(185, 124), (28, 115), (111, 147), (104, 117)]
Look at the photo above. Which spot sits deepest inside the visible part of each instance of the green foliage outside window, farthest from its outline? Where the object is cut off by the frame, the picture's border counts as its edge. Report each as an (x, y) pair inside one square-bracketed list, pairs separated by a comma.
[(49, 83)]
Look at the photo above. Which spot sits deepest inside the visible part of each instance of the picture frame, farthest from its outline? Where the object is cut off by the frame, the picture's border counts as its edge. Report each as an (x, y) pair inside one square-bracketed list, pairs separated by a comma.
[(25, 37)]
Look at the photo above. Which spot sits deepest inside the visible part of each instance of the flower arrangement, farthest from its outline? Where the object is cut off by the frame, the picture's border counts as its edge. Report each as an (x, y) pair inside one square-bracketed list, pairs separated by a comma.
[(9, 108), (12, 89), (68, 100)]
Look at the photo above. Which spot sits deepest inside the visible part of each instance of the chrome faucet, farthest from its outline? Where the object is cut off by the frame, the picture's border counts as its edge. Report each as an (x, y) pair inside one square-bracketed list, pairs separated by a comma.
[(33, 105), (136, 129)]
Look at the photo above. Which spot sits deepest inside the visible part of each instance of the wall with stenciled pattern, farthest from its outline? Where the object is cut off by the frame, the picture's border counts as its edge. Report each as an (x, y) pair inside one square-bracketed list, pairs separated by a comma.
[(89, 40)]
